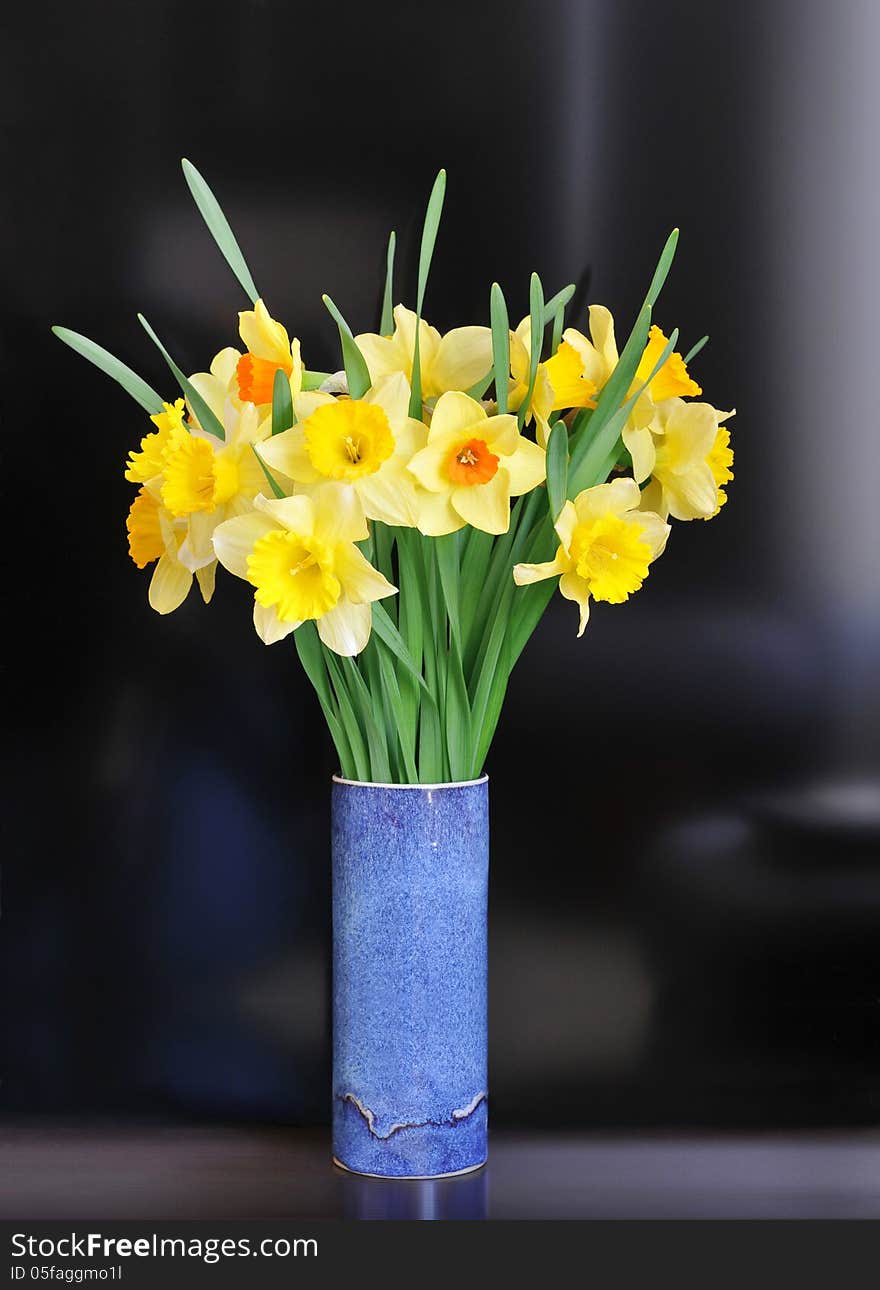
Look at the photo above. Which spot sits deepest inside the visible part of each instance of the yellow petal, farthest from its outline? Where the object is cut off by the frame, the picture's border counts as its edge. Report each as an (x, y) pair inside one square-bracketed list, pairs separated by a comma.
[(295, 513), (339, 514), (566, 523), (429, 467), (263, 336), (269, 626), (500, 433), (485, 506), (655, 532), (346, 628), (391, 393), (576, 589), (390, 495), (224, 366), (618, 496), (437, 516), (169, 585), (286, 453), (206, 577), (309, 401), (639, 443), (234, 539), (526, 468), (454, 413), (525, 574), (463, 357), (361, 583), (197, 549)]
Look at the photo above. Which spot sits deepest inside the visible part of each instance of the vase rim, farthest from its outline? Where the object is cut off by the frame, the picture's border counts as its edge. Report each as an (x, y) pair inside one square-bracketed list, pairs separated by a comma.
[(364, 783)]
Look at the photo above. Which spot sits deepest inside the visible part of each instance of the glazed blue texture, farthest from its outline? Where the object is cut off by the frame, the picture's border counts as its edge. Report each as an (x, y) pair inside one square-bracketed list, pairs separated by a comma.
[(410, 870)]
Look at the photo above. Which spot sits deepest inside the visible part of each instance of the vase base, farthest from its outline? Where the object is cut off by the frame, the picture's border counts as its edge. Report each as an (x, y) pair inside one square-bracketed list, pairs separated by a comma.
[(362, 1173)]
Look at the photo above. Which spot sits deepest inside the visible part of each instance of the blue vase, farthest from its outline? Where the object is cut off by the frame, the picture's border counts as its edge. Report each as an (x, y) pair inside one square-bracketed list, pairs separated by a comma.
[(410, 871)]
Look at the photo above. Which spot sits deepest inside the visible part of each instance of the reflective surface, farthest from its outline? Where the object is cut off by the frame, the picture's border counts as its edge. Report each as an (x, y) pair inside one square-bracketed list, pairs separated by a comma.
[(193, 1173)]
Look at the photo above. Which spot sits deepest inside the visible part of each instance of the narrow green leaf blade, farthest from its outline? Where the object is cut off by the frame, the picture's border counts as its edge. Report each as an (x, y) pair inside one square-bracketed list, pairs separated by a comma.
[(500, 322), (218, 227), (113, 367), (556, 305), (557, 469), (429, 235), (536, 319), (355, 364), (282, 403), (272, 481), (206, 418), (695, 349), (391, 637), (386, 326), (446, 552), (311, 380), (664, 264)]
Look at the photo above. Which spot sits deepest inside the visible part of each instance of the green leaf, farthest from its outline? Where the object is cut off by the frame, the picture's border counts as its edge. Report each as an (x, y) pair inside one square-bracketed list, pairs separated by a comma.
[(218, 226), (273, 482), (556, 305), (479, 388), (458, 718), (498, 317), (142, 393), (664, 264), (311, 380), (557, 469), (446, 552), (386, 326), (308, 647), (355, 364), (391, 637), (347, 712), (429, 235), (536, 317), (426, 253), (282, 404), (206, 418), (694, 351)]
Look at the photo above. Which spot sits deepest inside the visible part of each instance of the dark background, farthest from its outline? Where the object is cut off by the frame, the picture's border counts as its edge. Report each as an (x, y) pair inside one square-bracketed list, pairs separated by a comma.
[(685, 886)]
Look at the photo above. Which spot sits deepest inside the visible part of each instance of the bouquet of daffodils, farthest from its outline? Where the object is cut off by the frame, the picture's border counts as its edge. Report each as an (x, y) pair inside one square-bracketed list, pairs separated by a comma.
[(407, 518)]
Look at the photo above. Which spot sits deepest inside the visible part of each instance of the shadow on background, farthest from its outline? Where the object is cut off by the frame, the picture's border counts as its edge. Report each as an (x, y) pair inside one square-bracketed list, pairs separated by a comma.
[(685, 808)]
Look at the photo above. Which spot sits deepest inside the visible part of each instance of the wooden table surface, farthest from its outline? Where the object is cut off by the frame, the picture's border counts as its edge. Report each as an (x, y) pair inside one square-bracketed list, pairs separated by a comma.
[(118, 1173)]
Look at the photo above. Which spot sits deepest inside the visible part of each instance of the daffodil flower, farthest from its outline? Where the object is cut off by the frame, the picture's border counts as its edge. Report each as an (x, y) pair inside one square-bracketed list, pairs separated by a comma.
[(149, 460), (268, 348), (299, 554), (692, 460), (156, 536), (471, 466), (599, 357), (560, 381), (606, 546), (364, 443), (455, 361)]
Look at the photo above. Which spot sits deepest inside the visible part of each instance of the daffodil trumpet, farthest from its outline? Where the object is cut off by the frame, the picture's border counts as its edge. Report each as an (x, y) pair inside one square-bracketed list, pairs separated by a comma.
[(405, 517)]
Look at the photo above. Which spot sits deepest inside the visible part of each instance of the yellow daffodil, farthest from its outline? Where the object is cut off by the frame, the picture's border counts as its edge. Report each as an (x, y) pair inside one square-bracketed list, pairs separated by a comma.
[(149, 460), (455, 361), (606, 546), (471, 466), (599, 357), (692, 460), (299, 554), (268, 348), (560, 382), (155, 535), (364, 443)]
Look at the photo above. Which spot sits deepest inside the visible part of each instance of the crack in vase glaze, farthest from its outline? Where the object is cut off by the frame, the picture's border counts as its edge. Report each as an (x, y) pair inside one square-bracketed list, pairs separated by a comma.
[(456, 1116)]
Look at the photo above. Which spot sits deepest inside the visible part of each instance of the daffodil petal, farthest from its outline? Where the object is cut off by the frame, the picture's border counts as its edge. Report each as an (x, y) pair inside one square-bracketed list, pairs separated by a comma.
[(390, 495), (655, 531), (295, 513), (169, 585), (391, 393), (339, 514), (526, 468), (269, 626), (346, 628), (197, 550), (455, 412), (437, 516), (429, 467), (525, 574), (235, 539), (639, 443), (286, 452), (618, 496), (463, 357), (263, 336), (566, 522), (206, 578), (361, 582), (485, 506), (576, 589), (501, 433)]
